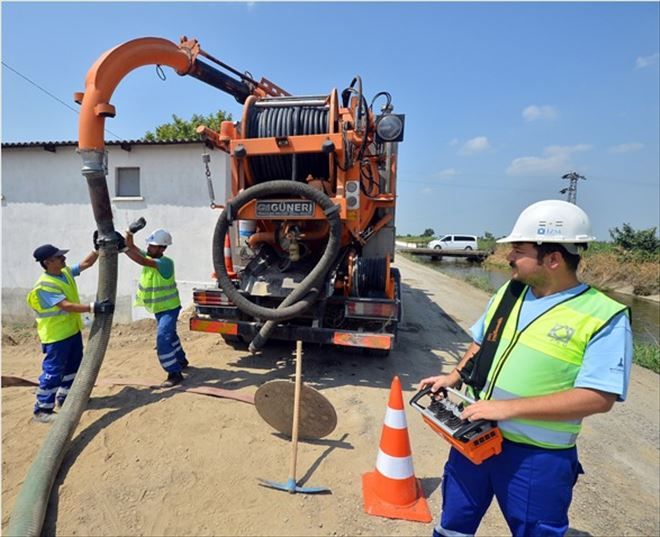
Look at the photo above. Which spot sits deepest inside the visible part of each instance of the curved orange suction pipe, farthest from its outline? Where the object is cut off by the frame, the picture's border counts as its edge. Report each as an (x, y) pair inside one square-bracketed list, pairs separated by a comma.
[(111, 68)]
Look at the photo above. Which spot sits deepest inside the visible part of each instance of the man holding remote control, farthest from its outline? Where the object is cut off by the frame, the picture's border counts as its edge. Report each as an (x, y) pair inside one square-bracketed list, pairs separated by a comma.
[(547, 352)]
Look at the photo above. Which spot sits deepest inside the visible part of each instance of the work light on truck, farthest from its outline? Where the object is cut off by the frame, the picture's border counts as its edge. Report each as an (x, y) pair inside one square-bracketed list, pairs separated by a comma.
[(389, 128)]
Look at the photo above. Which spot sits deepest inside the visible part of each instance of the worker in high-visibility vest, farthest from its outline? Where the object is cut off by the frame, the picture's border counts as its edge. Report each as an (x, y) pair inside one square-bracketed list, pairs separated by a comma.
[(55, 300), (564, 353), (158, 294)]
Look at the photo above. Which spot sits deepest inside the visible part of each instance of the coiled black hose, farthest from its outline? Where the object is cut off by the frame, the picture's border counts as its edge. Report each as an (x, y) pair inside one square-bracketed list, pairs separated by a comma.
[(267, 122), (370, 276), (305, 294)]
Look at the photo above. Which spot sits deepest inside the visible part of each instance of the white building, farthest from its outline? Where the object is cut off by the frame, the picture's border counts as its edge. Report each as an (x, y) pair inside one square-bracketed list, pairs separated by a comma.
[(45, 200)]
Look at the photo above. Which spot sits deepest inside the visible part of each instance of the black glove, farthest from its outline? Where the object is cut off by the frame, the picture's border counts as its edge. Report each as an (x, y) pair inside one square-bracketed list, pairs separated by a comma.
[(137, 225), (105, 307), (121, 243)]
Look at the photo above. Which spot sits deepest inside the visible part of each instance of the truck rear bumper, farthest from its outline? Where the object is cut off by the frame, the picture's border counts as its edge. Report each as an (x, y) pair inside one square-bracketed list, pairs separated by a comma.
[(248, 330)]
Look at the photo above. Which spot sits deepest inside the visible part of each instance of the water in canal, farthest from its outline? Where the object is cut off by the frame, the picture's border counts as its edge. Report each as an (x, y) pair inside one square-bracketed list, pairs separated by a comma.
[(645, 313)]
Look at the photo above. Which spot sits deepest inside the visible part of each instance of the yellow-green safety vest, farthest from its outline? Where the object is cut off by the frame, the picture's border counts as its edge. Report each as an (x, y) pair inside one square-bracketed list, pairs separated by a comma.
[(545, 358), (156, 293), (55, 324)]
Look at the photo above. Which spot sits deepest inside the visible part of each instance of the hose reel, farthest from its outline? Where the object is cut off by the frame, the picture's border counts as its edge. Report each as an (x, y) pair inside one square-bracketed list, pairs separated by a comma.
[(267, 120), (369, 277)]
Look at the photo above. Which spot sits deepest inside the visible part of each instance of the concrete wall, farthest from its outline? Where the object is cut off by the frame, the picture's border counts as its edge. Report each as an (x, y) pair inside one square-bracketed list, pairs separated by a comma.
[(45, 200)]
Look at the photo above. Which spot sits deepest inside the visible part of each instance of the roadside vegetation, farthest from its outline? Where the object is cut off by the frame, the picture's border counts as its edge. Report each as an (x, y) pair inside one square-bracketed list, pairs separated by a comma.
[(420, 240), (647, 355), (630, 262)]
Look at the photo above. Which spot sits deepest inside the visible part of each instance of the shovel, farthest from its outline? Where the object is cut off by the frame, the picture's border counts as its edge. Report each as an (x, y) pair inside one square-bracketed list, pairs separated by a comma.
[(291, 486)]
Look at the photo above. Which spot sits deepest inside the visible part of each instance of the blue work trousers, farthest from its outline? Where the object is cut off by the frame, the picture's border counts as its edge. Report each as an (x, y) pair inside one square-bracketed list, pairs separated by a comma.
[(533, 487), (59, 368), (168, 345)]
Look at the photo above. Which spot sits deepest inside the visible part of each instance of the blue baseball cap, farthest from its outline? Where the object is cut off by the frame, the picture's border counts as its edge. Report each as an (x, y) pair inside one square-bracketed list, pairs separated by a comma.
[(47, 250)]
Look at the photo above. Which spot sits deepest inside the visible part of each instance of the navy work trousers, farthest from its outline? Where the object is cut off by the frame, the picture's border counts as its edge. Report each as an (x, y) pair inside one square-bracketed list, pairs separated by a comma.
[(59, 368), (168, 345), (533, 487)]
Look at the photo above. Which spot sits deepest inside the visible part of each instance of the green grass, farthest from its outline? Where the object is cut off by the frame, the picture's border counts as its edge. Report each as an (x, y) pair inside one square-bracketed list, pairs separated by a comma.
[(647, 355), (416, 239)]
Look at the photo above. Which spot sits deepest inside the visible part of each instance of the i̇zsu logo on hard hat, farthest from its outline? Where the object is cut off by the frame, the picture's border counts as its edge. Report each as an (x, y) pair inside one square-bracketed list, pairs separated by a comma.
[(550, 229)]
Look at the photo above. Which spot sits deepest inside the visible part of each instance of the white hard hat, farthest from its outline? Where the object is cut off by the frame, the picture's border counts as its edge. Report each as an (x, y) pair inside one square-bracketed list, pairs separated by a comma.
[(554, 221), (160, 237)]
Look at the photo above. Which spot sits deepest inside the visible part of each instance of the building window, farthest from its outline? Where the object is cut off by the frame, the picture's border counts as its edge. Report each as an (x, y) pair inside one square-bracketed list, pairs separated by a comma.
[(128, 183)]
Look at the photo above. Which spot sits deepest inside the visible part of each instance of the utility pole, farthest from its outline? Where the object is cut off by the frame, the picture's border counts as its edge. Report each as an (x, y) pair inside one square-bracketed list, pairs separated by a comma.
[(571, 189)]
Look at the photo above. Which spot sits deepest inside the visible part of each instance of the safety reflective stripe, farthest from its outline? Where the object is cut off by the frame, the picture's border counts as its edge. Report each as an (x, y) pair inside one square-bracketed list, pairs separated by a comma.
[(395, 419), (156, 293), (394, 467), (52, 286), (160, 298), (62, 391), (154, 289), (52, 313), (169, 354), (45, 405), (42, 391), (68, 377), (451, 533), (168, 364), (537, 433), (502, 395)]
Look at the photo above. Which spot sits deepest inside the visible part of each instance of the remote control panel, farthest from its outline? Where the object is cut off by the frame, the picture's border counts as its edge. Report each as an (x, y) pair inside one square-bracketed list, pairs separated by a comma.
[(477, 440)]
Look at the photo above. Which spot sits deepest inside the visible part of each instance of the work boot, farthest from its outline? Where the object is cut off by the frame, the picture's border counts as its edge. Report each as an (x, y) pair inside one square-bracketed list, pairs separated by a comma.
[(172, 380), (44, 417)]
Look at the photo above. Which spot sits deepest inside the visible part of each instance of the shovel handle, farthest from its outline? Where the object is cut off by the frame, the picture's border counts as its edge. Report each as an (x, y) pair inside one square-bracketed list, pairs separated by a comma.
[(296, 411)]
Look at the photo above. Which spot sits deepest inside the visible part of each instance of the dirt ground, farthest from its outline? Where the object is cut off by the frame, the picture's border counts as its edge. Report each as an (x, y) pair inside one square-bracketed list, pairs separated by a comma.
[(147, 461)]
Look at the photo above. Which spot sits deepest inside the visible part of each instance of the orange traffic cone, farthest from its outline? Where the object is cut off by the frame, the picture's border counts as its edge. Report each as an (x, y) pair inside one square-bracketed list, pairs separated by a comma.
[(392, 490), (229, 264)]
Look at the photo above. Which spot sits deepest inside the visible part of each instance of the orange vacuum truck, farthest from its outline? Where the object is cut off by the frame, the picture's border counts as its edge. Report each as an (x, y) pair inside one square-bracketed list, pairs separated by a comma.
[(311, 210)]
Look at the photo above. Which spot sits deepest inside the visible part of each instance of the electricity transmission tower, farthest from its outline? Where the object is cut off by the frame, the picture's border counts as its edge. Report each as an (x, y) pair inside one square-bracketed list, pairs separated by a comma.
[(571, 189)]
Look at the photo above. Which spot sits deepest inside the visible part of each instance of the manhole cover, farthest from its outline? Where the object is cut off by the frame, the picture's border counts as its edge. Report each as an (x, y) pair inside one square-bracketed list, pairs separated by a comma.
[(274, 402)]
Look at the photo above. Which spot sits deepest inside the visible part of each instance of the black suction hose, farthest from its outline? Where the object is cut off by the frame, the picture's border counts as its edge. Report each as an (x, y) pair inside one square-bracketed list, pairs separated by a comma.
[(305, 294), (29, 510)]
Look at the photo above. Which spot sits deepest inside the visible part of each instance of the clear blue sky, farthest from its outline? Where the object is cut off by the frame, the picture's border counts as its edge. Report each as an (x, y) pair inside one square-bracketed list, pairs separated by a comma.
[(501, 100)]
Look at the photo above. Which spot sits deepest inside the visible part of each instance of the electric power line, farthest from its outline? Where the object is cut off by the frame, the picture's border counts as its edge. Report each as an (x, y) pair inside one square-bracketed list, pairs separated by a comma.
[(51, 95)]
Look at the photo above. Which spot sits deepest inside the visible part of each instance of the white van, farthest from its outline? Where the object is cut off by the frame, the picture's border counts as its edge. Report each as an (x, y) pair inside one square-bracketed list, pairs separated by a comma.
[(455, 242)]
